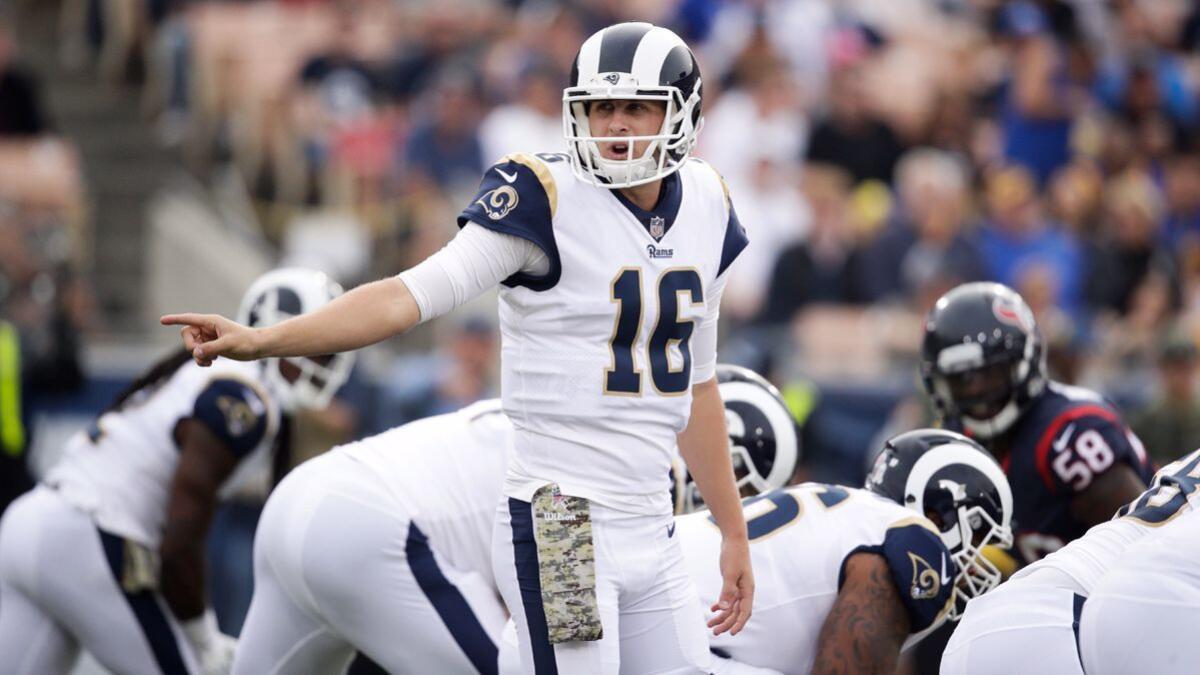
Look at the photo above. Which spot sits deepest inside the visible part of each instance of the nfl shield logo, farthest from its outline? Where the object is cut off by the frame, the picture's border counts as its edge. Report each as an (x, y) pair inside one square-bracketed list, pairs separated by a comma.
[(657, 227)]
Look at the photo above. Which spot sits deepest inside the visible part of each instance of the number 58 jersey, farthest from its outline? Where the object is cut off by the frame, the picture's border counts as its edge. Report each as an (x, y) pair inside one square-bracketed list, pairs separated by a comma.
[(599, 354), (800, 539)]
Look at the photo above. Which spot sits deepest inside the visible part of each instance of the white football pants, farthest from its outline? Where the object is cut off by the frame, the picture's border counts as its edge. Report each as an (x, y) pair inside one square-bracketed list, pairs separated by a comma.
[(1017, 628), (649, 609), (59, 591), (338, 566), (1143, 615)]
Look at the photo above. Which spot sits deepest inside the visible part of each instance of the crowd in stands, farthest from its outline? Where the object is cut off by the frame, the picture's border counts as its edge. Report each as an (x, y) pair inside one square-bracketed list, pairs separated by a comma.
[(879, 152)]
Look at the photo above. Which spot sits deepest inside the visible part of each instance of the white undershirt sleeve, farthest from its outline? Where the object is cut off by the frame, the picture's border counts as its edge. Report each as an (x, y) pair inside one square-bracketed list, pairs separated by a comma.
[(704, 342), (475, 260)]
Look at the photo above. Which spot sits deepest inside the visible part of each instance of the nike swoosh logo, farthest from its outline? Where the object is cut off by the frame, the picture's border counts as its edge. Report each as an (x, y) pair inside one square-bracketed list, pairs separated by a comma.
[(508, 177), (670, 530), (945, 579), (1060, 443)]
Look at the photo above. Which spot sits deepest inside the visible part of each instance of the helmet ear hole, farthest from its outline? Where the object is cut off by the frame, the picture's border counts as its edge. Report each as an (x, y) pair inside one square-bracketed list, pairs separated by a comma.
[(764, 445)]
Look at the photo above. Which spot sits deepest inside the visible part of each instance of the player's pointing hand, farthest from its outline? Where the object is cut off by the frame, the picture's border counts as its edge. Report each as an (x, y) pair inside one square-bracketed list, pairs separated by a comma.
[(208, 336)]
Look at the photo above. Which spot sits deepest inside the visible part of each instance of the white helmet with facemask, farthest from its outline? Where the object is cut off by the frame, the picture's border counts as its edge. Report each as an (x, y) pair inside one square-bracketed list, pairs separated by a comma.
[(960, 487), (282, 294), (764, 445), (633, 61)]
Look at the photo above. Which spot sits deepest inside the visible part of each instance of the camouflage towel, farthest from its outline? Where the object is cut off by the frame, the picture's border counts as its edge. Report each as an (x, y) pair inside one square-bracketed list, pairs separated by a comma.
[(567, 565)]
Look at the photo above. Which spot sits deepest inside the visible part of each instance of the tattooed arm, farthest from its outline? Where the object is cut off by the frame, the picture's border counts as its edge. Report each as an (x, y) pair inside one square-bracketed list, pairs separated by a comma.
[(868, 622)]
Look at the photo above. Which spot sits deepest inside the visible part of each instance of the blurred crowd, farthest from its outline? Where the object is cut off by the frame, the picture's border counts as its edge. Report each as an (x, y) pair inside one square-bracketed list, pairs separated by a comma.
[(879, 152)]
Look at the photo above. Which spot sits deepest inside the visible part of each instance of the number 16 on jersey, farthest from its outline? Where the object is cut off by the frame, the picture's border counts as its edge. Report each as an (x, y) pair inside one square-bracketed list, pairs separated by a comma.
[(676, 287)]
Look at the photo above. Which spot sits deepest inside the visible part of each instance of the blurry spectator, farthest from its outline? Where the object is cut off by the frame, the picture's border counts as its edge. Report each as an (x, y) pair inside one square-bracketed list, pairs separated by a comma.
[(775, 215), (1038, 284), (1075, 198), (41, 314), (439, 35), (1182, 192), (1130, 247), (1127, 344), (757, 121), (852, 137), (338, 91), (1143, 78), (444, 147), (20, 108), (796, 30), (824, 267), (925, 239), (531, 121), (462, 372), (1035, 103), (1016, 234), (1169, 425), (755, 133)]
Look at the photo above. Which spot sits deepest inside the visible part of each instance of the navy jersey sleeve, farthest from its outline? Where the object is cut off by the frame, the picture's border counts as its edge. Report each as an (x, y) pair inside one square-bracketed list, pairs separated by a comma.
[(517, 196), (735, 235), (1083, 442), (735, 241), (922, 570), (234, 413)]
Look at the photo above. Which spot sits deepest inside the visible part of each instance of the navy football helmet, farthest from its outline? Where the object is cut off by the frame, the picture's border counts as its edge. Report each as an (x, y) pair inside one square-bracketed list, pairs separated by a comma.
[(957, 484), (763, 440), (633, 60), (983, 362)]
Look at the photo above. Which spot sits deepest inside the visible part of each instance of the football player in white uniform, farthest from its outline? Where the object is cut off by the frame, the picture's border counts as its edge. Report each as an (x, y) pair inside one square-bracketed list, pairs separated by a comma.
[(611, 260), (108, 552), (410, 511), (1142, 616), (847, 577), (1031, 623)]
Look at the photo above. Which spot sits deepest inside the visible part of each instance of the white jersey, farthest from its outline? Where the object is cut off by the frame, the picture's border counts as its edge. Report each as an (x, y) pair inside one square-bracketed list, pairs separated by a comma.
[(1086, 560), (120, 469), (597, 354), (800, 538), (447, 471)]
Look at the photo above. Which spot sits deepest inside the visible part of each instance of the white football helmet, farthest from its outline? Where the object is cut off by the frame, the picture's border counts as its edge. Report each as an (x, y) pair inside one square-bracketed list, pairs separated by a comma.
[(633, 60), (958, 485), (281, 294), (763, 442)]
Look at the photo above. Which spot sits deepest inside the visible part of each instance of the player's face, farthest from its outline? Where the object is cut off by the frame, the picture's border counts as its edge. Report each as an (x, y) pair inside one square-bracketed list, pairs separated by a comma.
[(981, 393), (617, 118)]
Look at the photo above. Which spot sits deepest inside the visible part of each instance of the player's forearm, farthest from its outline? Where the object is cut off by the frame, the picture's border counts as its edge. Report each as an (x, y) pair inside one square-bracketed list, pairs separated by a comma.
[(182, 550), (704, 445), (366, 315)]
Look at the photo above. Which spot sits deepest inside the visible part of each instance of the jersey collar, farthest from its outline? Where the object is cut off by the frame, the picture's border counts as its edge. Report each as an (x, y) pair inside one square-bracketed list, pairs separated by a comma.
[(658, 220)]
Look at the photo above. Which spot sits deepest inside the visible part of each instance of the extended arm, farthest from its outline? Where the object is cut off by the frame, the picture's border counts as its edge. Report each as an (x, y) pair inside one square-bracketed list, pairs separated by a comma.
[(867, 626), (475, 260)]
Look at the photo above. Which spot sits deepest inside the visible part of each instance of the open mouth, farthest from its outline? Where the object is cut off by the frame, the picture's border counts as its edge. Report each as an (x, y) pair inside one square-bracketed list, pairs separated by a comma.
[(617, 150)]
